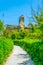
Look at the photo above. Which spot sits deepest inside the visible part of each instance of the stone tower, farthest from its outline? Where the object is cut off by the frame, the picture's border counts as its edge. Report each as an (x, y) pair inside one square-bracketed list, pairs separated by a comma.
[(21, 21)]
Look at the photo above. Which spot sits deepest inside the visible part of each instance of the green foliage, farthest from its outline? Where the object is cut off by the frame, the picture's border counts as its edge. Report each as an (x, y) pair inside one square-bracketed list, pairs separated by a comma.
[(7, 33), (22, 34), (6, 46), (32, 27), (1, 25), (17, 34), (13, 36), (39, 19), (1, 28)]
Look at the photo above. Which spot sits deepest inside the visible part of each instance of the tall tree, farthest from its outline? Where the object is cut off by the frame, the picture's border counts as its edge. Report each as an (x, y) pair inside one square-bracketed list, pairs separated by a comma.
[(39, 19), (1, 27)]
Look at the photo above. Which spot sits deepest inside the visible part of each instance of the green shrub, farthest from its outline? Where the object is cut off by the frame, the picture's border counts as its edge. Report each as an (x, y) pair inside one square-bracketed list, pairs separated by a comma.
[(6, 46), (13, 36), (22, 34)]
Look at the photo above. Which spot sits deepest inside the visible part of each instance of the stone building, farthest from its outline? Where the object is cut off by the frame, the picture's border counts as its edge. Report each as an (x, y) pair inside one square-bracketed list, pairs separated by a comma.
[(21, 22), (20, 26)]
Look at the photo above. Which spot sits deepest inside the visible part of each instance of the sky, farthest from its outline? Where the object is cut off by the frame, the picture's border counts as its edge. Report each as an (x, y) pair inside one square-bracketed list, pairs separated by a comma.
[(11, 10)]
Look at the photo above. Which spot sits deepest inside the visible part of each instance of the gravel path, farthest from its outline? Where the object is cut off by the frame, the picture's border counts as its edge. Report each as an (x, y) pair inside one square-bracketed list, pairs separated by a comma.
[(19, 57)]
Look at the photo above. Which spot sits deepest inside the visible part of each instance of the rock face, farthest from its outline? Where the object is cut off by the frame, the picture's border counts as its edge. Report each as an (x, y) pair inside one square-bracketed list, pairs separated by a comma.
[(19, 57)]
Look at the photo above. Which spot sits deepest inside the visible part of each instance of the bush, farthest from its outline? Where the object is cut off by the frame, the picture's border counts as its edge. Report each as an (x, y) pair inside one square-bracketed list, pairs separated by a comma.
[(21, 34), (35, 49), (13, 36), (6, 46)]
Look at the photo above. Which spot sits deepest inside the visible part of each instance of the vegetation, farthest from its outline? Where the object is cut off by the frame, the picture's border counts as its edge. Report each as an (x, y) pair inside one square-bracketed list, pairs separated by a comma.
[(39, 19), (6, 46), (1, 27)]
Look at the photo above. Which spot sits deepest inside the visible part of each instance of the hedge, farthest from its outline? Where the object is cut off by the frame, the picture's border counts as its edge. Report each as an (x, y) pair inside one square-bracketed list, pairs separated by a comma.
[(6, 46), (35, 49)]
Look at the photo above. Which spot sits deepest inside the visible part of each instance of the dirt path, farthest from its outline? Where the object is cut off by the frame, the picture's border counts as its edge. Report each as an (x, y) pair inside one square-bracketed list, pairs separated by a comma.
[(19, 57)]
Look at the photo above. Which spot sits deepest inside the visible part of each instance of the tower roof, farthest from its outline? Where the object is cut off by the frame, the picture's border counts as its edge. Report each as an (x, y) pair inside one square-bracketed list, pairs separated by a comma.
[(22, 16)]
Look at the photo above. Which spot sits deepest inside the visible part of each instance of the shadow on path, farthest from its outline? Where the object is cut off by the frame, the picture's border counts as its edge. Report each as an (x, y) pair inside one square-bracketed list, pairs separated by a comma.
[(19, 57)]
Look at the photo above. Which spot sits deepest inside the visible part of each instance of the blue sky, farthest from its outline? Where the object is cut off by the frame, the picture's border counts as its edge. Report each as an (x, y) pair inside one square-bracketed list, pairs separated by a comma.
[(13, 9)]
